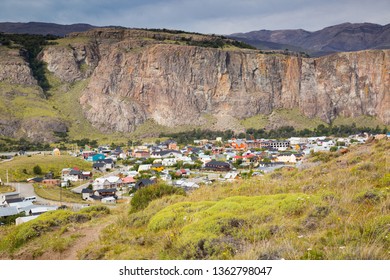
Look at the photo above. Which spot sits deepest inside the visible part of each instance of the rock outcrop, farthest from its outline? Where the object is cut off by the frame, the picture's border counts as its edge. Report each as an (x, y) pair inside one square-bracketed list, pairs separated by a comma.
[(137, 79), (18, 83), (14, 69), (135, 76)]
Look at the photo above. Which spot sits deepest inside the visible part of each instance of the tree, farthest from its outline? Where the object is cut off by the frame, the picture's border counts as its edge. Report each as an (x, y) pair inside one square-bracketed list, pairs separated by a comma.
[(37, 170)]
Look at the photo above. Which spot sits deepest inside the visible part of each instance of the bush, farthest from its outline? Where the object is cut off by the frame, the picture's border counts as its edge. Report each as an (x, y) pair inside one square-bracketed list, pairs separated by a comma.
[(145, 195), (37, 170)]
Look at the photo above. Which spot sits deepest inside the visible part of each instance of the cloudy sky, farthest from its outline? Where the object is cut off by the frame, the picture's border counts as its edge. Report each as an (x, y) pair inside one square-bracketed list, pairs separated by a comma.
[(205, 16)]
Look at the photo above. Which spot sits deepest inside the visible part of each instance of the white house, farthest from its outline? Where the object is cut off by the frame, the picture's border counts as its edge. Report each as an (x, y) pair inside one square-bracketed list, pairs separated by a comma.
[(114, 181), (100, 183), (108, 200), (168, 161), (287, 158), (144, 167)]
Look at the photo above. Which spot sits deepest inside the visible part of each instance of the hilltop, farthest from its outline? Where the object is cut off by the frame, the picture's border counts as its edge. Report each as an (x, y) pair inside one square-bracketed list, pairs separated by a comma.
[(335, 206)]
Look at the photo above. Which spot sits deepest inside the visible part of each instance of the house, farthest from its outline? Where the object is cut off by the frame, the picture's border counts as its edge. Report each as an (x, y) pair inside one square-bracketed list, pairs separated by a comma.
[(107, 192), (86, 193), (239, 144), (100, 183), (128, 180), (100, 166), (108, 200), (114, 181), (6, 196), (144, 167), (95, 158), (37, 210), (143, 183), (166, 154), (35, 180), (169, 161), (217, 166), (86, 175), (291, 158), (8, 211), (51, 182), (157, 167), (141, 154), (109, 163)]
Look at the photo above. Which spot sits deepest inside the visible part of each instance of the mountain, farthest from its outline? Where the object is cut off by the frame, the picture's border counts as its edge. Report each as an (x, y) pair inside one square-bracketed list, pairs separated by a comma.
[(43, 28), (112, 80), (339, 38)]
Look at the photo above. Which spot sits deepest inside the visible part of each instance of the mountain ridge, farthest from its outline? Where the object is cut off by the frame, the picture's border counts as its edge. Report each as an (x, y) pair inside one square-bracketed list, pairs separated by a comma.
[(338, 38)]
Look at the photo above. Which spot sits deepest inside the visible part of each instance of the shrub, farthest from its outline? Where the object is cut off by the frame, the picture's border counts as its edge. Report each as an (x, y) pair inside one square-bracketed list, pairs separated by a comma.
[(37, 170), (145, 195)]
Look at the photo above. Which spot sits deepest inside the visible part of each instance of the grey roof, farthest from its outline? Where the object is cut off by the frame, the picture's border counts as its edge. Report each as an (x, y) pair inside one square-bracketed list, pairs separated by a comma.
[(8, 211)]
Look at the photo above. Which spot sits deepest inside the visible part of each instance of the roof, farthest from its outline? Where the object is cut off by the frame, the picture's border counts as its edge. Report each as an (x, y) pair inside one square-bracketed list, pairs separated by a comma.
[(128, 179), (75, 172), (36, 179), (144, 182), (86, 190), (113, 179), (14, 200), (218, 163), (8, 211), (106, 190)]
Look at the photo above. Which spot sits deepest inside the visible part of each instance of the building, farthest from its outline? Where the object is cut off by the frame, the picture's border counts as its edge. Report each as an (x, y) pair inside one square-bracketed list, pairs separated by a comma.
[(217, 166)]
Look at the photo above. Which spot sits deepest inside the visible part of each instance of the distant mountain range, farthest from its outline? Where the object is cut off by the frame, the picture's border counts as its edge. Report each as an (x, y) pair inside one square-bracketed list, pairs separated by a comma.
[(43, 28), (338, 38)]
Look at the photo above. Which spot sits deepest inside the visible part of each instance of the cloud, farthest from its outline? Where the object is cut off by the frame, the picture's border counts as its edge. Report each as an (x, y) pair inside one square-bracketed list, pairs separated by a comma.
[(207, 16)]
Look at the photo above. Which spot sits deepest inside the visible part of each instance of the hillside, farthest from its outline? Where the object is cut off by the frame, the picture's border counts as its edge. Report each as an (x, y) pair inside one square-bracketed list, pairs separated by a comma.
[(115, 82), (336, 206), (344, 37)]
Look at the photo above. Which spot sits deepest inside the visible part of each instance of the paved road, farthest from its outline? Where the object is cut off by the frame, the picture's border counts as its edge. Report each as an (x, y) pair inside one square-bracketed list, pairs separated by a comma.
[(27, 189)]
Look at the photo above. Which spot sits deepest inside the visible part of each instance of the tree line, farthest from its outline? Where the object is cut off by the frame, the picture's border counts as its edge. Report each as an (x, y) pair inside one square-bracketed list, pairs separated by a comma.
[(279, 133)]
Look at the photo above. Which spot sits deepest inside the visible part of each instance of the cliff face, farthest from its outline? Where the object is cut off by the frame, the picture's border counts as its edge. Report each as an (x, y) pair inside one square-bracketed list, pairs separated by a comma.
[(13, 68), (132, 80), (20, 99)]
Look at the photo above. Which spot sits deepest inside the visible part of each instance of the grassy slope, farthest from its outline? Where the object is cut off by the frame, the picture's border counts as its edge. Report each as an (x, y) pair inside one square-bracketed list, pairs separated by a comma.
[(337, 209), (47, 163)]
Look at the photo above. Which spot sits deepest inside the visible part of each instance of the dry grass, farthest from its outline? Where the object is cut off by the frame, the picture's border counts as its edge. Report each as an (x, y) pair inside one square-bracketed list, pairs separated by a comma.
[(335, 210)]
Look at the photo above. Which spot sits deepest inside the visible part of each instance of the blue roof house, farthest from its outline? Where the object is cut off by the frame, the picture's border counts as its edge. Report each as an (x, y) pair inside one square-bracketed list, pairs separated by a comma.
[(96, 157)]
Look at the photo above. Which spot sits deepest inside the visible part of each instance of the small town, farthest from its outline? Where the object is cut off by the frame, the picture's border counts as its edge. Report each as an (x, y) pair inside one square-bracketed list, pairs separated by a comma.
[(117, 173)]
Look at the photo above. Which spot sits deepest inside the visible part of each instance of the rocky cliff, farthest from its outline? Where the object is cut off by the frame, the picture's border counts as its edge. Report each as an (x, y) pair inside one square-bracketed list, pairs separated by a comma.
[(138, 75), (23, 110), (135, 76)]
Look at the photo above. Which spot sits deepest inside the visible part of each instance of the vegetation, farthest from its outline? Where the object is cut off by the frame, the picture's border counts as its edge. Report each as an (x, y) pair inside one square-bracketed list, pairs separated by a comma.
[(57, 193), (22, 144), (21, 167), (30, 46), (282, 132), (143, 196), (334, 207), (46, 224)]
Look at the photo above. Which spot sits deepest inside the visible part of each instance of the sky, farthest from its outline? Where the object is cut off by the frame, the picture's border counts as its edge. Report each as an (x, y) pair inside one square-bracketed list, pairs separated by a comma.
[(204, 16)]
